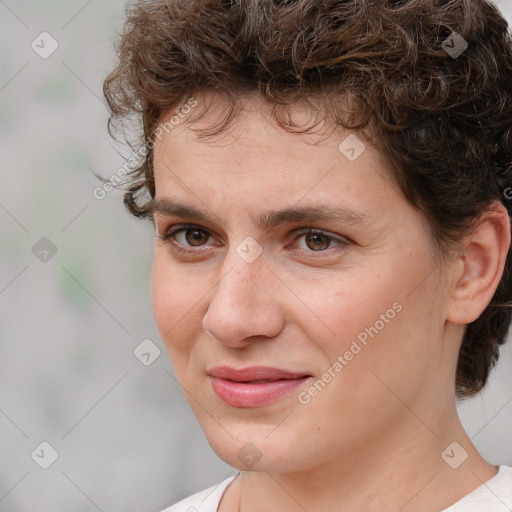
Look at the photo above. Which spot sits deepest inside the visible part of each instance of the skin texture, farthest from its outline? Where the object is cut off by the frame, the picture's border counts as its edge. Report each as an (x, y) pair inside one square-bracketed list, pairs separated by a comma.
[(372, 438)]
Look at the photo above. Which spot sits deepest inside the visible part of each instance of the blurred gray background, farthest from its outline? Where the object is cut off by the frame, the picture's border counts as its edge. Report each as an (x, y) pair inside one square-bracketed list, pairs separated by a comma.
[(75, 293)]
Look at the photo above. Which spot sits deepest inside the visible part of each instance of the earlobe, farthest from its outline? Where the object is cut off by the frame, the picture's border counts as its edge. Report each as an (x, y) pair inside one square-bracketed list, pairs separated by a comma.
[(479, 269)]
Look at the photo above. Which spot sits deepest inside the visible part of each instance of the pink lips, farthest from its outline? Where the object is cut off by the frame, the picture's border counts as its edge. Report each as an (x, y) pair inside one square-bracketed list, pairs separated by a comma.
[(243, 387)]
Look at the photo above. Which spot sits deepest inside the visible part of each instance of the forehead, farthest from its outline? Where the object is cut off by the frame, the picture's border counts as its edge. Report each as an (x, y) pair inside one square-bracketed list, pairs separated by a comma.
[(253, 127), (256, 160), (204, 115)]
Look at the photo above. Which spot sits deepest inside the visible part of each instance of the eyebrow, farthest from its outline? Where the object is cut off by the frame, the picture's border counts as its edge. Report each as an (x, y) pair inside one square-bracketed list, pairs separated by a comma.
[(267, 219)]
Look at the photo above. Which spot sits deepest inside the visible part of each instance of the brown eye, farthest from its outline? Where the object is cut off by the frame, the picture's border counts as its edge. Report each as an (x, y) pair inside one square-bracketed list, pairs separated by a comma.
[(317, 241), (186, 236), (196, 237), (309, 240)]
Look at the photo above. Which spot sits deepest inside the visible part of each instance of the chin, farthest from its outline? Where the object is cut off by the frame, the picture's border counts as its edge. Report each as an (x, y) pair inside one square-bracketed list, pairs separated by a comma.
[(256, 450)]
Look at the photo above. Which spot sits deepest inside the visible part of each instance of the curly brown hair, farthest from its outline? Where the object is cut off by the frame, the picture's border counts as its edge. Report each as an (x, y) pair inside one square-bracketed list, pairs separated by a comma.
[(444, 120)]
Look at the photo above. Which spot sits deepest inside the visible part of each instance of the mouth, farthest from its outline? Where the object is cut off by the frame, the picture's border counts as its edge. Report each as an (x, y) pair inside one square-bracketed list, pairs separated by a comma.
[(254, 386), (255, 374), (258, 381)]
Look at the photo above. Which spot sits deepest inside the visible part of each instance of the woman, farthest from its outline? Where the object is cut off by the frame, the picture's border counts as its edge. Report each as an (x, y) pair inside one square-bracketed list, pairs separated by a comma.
[(327, 182)]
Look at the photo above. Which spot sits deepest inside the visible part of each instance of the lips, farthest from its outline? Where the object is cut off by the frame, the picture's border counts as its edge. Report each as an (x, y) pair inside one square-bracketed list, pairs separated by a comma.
[(256, 386), (254, 374)]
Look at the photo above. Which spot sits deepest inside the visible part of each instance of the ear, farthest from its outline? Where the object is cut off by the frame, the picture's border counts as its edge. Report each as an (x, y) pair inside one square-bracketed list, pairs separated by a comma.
[(479, 267)]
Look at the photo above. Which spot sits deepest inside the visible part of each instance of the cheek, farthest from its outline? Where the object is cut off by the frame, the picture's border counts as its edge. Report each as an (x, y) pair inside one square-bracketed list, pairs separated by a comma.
[(353, 304), (386, 336), (371, 319), (176, 300)]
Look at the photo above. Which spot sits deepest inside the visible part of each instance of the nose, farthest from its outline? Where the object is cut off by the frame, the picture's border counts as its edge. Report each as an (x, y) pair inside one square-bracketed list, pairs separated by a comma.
[(244, 305)]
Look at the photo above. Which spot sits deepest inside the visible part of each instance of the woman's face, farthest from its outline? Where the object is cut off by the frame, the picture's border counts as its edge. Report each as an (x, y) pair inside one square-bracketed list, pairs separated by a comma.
[(355, 310)]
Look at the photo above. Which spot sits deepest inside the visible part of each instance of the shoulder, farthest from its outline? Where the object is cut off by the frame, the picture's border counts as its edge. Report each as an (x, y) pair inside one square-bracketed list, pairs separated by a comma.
[(494, 495), (501, 486), (206, 500)]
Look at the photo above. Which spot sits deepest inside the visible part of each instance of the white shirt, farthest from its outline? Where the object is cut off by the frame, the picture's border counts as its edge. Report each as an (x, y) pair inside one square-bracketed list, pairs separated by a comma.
[(495, 495)]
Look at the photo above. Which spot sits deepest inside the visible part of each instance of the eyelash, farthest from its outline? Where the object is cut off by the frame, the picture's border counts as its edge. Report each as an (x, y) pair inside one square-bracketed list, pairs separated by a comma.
[(168, 238)]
